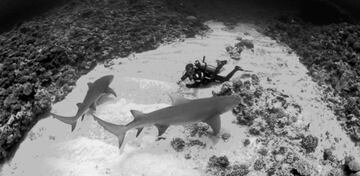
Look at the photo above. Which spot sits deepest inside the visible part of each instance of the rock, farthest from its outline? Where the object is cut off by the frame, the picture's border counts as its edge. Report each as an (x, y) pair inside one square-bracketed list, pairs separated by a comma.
[(187, 156), (356, 174), (279, 157), (221, 162), (238, 170), (246, 142), (178, 144), (196, 142), (263, 151), (245, 44), (328, 155), (28, 89), (254, 131), (303, 168), (336, 172), (291, 158), (199, 129), (108, 63), (354, 165), (259, 164), (309, 143), (225, 136), (191, 18), (356, 46)]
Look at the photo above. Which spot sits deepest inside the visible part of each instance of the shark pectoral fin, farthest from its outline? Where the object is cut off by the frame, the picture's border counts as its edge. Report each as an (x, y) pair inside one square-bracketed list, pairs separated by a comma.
[(139, 131), (110, 91), (177, 99), (161, 128), (215, 124), (93, 106)]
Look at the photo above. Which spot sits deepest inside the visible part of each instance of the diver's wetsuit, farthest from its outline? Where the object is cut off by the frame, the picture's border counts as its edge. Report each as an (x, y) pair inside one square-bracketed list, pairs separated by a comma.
[(203, 74)]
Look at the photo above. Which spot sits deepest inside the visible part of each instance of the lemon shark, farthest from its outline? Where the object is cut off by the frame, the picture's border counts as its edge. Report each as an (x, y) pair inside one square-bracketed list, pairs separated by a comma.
[(183, 111), (97, 89)]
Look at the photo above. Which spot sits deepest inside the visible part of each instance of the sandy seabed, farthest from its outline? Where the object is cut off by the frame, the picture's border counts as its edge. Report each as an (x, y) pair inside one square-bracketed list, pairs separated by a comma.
[(143, 82)]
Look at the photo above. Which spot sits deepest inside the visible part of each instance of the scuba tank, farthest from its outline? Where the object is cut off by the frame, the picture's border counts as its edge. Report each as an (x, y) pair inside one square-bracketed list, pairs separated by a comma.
[(205, 67)]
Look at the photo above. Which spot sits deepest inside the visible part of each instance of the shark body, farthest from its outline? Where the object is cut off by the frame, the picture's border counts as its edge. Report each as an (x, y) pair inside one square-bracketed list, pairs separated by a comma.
[(96, 90), (183, 111)]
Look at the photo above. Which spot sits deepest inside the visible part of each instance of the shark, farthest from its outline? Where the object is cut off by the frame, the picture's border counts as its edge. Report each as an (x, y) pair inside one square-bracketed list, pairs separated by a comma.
[(182, 111), (96, 90)]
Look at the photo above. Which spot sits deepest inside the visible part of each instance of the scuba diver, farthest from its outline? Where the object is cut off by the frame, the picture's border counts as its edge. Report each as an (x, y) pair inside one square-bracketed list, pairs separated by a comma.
[(203, 74)]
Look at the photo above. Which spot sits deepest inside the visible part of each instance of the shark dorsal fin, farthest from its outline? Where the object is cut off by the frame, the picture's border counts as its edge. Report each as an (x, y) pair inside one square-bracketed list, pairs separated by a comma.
[(137, 114), (90, 84), (177, 99), (79, 105)]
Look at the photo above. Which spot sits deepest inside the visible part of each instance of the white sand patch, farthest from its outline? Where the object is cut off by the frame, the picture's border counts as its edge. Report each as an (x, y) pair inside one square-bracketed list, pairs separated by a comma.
[(143, 82)]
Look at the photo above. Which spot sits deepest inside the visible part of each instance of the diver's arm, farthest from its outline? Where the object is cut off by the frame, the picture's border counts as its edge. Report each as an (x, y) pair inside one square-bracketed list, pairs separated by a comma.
[(184, 76)]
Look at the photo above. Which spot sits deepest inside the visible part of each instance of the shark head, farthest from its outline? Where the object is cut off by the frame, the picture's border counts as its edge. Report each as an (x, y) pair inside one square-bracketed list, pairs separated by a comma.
[(107, 79), (229, 102)]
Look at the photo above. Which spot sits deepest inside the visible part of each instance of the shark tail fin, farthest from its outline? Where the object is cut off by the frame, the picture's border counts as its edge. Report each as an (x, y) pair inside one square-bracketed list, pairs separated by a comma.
[(117, 130), (68, 120)]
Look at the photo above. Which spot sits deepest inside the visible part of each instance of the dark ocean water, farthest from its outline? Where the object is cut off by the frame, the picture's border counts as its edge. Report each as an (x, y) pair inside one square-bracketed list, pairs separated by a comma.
[(15, 11)]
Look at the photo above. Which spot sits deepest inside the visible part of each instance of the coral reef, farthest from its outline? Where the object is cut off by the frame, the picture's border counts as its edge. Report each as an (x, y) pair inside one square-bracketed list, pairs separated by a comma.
[(41, 59), (282, 148), (332, 55)]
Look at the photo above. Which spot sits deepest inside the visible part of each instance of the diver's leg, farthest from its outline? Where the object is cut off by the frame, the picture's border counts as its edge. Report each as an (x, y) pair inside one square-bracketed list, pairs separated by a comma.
[(194, 85), (220, 65), (227, 77), (218, 78)]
